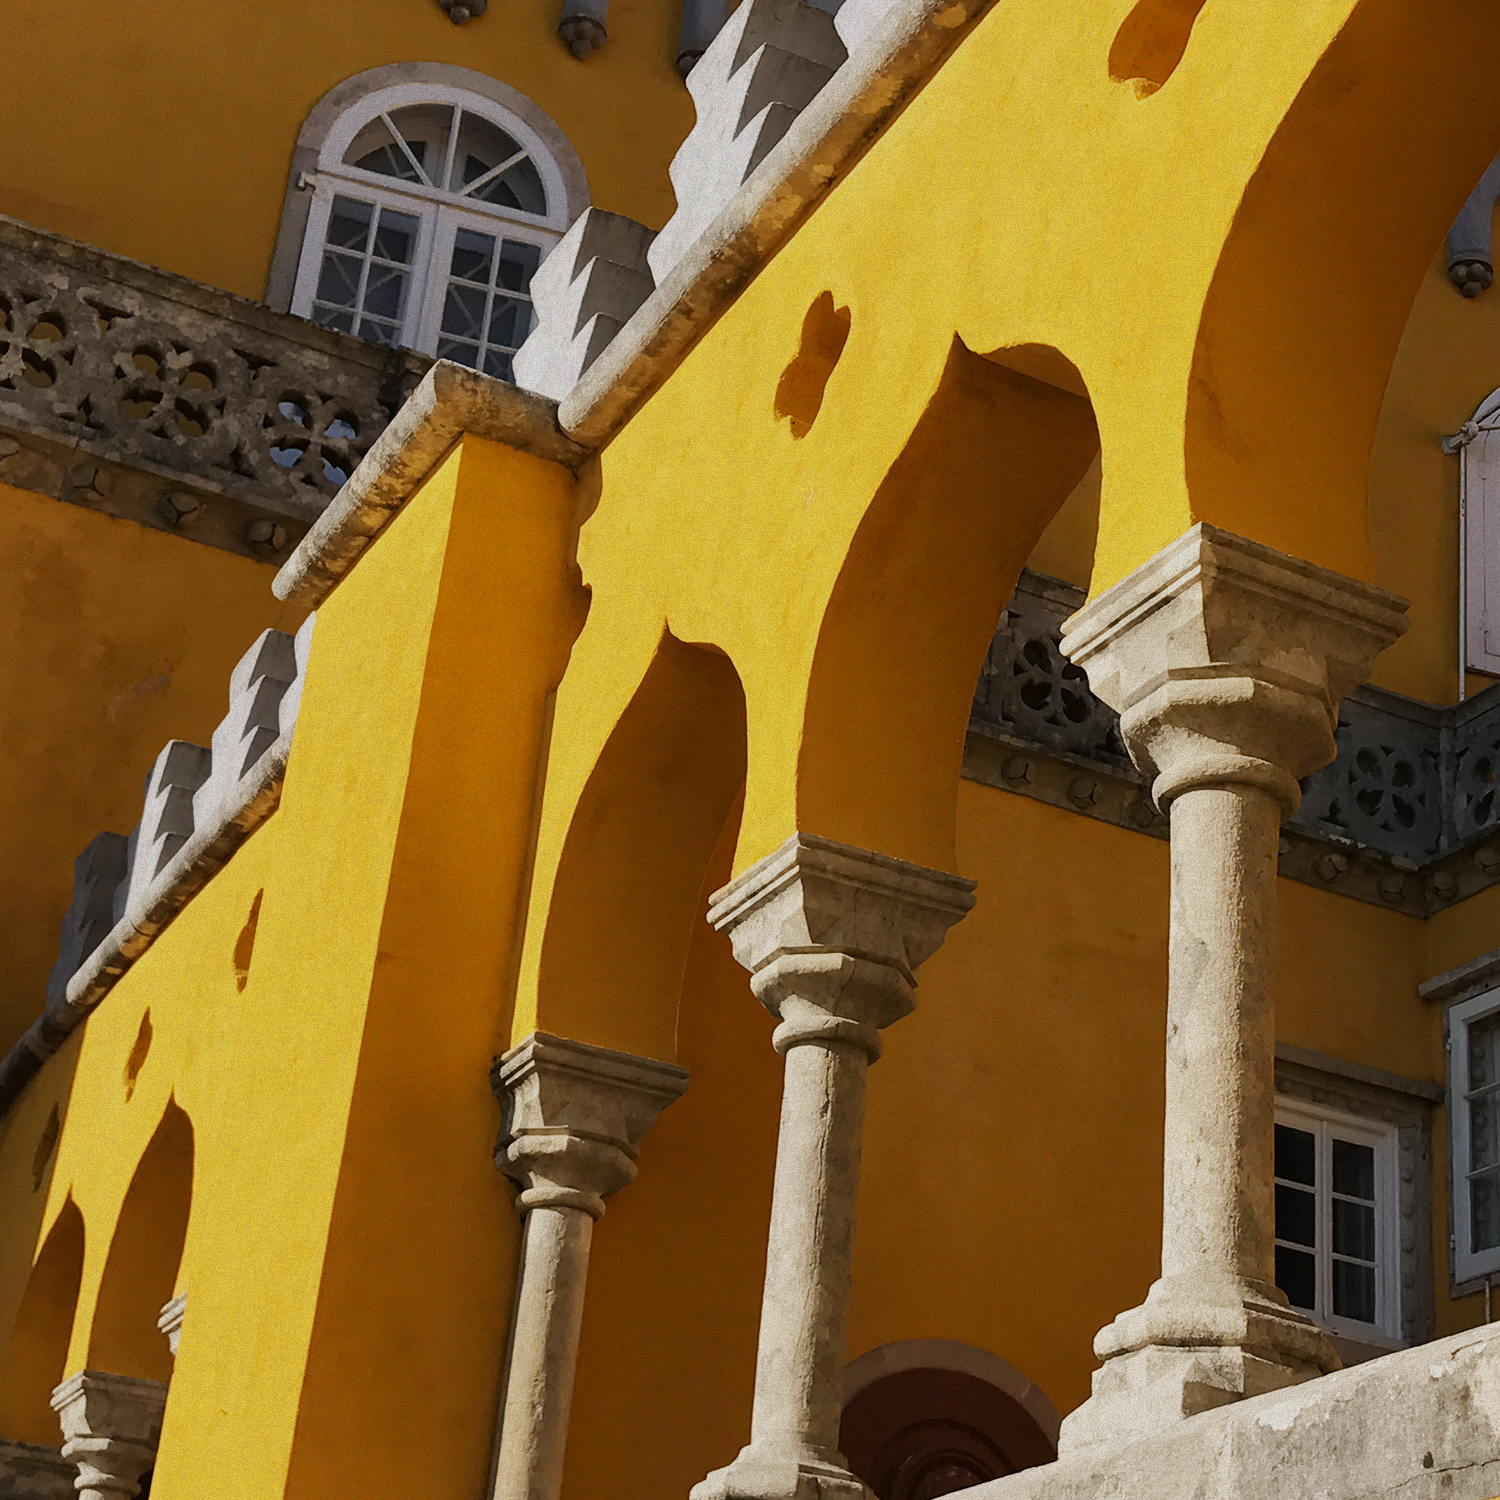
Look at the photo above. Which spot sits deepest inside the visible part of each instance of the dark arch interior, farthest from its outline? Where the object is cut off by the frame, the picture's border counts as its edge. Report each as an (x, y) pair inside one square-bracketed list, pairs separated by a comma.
[(917, 1434)]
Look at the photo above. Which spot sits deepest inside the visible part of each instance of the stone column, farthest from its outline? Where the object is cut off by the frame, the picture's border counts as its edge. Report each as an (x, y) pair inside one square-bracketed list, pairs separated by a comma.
[(1226, 661), (170, 1321), (111, 1428), (574, 1119), (832, 936)]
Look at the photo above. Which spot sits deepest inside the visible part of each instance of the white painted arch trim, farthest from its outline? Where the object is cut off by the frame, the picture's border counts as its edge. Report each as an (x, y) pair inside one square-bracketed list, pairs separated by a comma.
[(950, 1354), (412, 82)]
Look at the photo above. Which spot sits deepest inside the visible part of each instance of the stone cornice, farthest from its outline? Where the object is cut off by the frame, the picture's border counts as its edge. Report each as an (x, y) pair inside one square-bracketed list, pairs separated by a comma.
[(450, 402)]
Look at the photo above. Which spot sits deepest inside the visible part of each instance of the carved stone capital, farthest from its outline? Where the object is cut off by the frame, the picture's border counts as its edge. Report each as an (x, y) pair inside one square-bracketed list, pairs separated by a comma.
[(832, 936), (111, 1427), (574, 1117), (1226, 661)]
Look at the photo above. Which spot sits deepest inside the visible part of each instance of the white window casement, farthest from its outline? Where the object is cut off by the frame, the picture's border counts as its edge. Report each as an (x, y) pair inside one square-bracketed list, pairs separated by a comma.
[(1337, 1223), (431, 208), (1474, 1123), (1477, 445)]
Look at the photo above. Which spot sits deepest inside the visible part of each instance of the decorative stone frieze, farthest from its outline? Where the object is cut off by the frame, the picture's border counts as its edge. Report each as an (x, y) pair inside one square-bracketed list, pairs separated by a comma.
[(111, 1427), (1405, 816), (1226, 661), (832, 937), (574, 1118), (129, 390), (762, 69), (29, 1471), (583, 294)]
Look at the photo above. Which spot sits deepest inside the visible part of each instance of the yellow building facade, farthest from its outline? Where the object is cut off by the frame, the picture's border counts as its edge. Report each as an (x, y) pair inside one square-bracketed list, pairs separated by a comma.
[(1114, 362)]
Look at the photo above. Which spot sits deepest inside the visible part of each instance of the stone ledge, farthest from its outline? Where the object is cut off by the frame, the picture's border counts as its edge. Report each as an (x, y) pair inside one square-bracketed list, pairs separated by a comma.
[(450, 402), (1423, 1424)]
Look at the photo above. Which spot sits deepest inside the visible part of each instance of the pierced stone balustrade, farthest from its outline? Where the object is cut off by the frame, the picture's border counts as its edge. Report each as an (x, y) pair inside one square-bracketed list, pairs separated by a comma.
[(145, 395)]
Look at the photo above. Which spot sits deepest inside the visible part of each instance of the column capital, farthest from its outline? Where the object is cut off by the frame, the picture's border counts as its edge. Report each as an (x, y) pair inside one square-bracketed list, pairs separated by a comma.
[(832, 935), (111, 1427), (1226, 661), (574, 1118)]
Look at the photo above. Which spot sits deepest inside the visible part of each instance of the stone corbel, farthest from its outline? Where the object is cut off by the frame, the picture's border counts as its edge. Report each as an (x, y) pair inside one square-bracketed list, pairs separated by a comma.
[(584, 27), (111, 1428), (574, 1117), (1471, 260), (832, 937)]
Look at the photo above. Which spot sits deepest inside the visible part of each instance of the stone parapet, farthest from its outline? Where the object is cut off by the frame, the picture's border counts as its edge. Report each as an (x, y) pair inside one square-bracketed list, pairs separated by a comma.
[(1420, 1424), (129, 390), (31, 1472)]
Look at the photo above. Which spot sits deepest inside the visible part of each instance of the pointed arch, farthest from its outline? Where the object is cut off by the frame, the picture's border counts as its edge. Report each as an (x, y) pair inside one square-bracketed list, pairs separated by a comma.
[(629, 884), (37, 1352), (1002, 443), (142, 1270)]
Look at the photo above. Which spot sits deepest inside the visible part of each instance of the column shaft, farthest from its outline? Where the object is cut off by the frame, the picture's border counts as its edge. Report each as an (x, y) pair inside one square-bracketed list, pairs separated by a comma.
[(1218, 1215), (810, 1254), (544, 1353)]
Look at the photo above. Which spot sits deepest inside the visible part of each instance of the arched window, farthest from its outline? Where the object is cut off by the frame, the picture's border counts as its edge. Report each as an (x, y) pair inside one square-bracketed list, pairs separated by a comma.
[(431, 206)]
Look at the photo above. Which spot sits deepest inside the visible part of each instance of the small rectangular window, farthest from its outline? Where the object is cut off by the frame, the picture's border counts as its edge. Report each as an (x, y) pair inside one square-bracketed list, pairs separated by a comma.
[(1336, 1221), (1474, 1124)]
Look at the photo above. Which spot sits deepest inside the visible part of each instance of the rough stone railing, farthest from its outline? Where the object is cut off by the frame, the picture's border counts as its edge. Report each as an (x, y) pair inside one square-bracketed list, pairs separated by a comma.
[(1406, 815), (146, 395)]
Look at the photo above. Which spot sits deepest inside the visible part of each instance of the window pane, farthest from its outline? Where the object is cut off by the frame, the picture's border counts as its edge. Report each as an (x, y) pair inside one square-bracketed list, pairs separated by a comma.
[(510, 322), (376, 332), (1484, 1131), (396, 238), (1353, 1229), (518, 263), (385, 293), (391, 161), (338, 280), (349, 223), (1484, 1203), (1354, 1170), (463, 312), (1484, 1052), (333, 317), (1295, 1155), (1353, 1291), (498, 364), (1296, 1275), (459, 353), (1296, 1215), (472, 256)]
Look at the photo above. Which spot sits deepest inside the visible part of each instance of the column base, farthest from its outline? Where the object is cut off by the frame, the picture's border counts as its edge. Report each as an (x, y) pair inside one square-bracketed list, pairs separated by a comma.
[(1194, 1344), (775, 1474)]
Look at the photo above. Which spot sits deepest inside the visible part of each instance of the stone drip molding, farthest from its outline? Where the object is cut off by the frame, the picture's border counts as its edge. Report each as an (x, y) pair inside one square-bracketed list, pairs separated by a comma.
[(148, 396), (1407, 817), (201, 804)]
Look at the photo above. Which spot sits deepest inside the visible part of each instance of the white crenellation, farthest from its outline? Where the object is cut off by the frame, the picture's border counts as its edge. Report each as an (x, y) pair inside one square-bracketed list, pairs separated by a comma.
[(291, 700), (583, 294), (253, 723), (758, 74), (166, 818), (97, 875)]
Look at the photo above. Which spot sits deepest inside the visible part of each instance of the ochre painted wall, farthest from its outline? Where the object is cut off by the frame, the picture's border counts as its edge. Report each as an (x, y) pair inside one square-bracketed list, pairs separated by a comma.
[(114, 639), (169, 139)]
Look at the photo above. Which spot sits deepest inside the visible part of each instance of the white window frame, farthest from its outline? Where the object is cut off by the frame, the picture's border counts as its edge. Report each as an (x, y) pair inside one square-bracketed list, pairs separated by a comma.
[(440, 213), (1468, 1265), (1324, 1123)]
